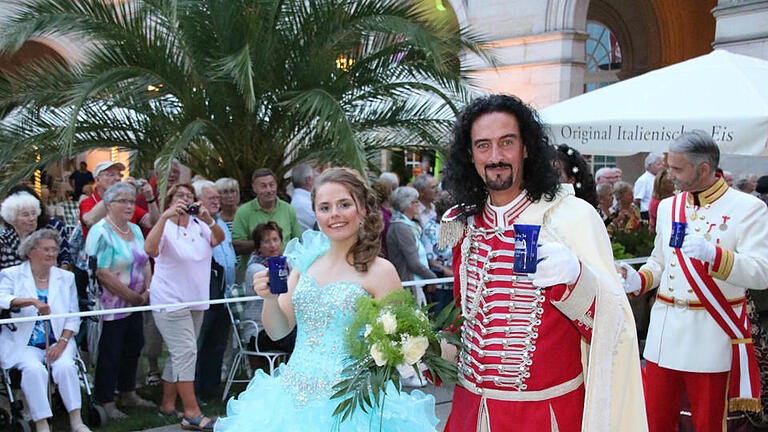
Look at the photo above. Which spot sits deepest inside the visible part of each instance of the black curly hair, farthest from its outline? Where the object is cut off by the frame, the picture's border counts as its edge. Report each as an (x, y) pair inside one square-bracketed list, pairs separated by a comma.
[(461, 180), (576, 169)]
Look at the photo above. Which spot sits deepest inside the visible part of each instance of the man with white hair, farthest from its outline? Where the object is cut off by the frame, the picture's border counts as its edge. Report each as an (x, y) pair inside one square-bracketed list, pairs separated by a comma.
[(654, 163), (303, 177), (606, 175), (390, 178), (427, 188), (618, 174), (699, 341), (728, 177), (92, 209), (214, 332)]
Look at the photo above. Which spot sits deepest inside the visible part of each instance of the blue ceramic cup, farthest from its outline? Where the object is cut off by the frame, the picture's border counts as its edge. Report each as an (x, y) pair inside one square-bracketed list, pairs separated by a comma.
[(278, 274), (526, 239), (678, 235)]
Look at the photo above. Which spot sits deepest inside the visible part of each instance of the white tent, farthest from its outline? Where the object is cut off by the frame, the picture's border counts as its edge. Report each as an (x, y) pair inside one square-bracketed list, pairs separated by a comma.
[(722, 93)]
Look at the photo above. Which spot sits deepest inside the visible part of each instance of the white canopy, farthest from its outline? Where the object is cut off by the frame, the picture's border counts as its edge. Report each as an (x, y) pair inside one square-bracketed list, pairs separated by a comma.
[(722, 93)]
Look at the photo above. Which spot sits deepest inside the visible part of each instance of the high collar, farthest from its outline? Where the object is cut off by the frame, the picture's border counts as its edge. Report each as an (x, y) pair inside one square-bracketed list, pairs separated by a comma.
[(711, 194), (504, 216)]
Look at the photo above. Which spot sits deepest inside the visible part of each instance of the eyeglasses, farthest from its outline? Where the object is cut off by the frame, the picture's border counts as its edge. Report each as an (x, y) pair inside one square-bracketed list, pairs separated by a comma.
[(125, 201), (48, 250), (228, 191)]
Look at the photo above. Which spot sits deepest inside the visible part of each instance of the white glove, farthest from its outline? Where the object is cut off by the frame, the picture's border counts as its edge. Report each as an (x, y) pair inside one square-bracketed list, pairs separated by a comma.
[(696, 246), (557, 265), (418, 293), (632, 282)]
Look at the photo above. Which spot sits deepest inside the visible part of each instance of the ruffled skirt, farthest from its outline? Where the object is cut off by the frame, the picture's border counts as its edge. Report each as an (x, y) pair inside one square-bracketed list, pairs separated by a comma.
[(266, 405)]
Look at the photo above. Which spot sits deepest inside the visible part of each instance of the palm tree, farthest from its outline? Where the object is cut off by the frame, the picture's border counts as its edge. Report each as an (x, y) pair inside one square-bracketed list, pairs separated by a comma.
[(228, 86)]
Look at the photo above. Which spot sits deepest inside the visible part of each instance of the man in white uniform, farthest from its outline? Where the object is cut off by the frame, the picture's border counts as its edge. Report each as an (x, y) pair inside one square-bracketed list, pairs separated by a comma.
[(699, 339)]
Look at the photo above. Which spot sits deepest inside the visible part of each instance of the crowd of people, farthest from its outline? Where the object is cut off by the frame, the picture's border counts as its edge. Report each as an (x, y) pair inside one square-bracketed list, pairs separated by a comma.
[(205, 240)]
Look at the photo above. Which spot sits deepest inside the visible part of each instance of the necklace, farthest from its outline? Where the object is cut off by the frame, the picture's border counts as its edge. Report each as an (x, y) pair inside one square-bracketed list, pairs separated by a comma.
[(125, 231), (40, 279)]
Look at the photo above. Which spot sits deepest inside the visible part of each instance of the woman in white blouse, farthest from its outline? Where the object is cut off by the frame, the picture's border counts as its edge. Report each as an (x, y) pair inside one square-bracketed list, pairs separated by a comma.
[(38, 287)]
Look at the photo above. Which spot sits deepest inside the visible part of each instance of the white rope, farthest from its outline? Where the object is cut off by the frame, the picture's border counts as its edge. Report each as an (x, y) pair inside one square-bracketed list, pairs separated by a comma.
[(216, 301), (174, 305), (128, 309), (630, 261)]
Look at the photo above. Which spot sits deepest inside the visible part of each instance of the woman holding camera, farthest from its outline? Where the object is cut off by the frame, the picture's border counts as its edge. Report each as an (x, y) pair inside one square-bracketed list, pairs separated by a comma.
[(182, 245)]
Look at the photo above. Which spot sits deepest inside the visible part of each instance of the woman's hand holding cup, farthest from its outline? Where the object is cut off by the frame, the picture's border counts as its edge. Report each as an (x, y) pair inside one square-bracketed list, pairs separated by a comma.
[(261, 285)]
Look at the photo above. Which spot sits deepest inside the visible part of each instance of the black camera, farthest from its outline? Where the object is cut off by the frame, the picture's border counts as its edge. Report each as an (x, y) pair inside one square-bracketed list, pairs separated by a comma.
[(193, 209)]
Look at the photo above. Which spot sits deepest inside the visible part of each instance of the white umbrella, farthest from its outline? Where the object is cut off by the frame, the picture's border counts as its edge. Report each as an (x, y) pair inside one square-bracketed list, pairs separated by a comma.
[(722, 93)]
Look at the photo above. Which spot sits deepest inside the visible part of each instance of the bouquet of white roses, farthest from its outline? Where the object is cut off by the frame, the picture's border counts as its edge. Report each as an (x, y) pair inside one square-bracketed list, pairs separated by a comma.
[(389, 338)]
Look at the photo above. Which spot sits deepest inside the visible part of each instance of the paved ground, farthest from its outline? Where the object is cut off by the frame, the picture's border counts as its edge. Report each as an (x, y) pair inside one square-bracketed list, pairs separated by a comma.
[(443, 396)]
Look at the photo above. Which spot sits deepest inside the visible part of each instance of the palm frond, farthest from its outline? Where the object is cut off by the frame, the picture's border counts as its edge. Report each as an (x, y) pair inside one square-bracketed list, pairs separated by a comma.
[(231, 86)]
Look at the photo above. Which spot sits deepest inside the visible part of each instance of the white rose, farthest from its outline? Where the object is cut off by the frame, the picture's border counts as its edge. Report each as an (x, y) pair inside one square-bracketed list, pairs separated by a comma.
[(368, 329), (389, 322), (377, 355), (413, 349), (405, 371), (421, 315)]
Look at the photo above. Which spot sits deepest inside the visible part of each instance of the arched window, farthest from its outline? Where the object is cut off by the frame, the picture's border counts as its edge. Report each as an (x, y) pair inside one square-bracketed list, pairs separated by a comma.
[(603, 56)]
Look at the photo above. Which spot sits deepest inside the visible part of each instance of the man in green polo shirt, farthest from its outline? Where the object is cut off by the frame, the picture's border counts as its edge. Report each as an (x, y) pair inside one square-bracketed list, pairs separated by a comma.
[(264, 208)]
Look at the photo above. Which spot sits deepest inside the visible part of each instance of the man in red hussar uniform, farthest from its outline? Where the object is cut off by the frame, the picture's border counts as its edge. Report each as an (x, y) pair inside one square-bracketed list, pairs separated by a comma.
[(554, 350)]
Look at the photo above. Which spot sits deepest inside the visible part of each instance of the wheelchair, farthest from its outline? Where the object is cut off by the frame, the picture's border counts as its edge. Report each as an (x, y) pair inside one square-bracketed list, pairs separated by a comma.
[(15, 420)]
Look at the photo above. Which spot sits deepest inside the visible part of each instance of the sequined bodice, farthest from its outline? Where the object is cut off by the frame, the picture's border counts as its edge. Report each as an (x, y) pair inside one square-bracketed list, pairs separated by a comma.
[(322, 315)]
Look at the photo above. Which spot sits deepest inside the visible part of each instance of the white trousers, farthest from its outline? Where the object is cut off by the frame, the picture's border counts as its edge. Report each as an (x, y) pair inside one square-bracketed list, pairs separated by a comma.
[(34, 380)]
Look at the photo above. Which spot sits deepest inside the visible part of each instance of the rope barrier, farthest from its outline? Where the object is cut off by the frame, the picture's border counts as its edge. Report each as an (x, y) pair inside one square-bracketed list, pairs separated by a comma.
[(100, 312), (174, 305)]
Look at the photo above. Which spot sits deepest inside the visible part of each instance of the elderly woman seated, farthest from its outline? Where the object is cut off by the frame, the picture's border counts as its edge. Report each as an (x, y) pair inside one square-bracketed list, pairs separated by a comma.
[(268, 241), (37, 286)]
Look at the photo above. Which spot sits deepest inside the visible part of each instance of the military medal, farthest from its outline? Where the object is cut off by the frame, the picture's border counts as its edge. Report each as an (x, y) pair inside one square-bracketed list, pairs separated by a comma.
[(707, 235), (724, 226)]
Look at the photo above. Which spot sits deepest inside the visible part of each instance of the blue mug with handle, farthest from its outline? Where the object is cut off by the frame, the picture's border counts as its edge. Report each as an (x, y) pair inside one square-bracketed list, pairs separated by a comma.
[(278, 274), (526, 245), (678, 234)]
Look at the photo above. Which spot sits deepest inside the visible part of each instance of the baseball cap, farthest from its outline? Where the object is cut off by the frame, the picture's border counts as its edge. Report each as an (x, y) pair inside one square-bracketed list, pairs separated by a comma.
[(101, 166)]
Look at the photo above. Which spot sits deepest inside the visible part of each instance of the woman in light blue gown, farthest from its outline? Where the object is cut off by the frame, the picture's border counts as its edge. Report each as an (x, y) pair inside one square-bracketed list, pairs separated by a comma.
[(331, 269)]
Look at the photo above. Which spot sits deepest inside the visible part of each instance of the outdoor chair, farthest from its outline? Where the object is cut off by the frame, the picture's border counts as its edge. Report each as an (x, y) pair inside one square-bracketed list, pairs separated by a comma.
[(242, 350)]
